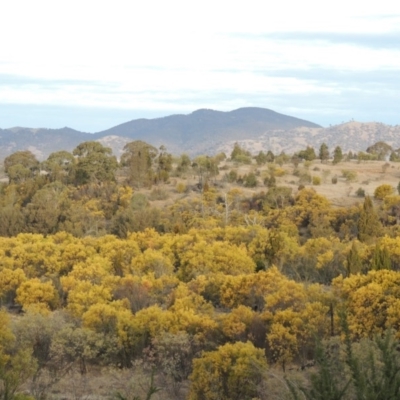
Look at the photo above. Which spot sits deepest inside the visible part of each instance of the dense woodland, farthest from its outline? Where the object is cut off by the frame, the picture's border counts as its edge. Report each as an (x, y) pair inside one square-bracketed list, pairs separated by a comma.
[(169, 279)]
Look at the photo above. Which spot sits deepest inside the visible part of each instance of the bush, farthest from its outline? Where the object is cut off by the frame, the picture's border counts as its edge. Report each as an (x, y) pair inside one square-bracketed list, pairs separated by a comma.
[(304, 178), (230, 372), (158, 194), (350, 176), (181, 187), (360, 192), (250, 180), (316, 180), (270, 181), (232, 176), (382, 191), (279, 172), (242, 159)]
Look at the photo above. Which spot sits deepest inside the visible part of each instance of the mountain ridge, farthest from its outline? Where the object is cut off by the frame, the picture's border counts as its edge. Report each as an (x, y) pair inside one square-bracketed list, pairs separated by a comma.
[(207, 131)]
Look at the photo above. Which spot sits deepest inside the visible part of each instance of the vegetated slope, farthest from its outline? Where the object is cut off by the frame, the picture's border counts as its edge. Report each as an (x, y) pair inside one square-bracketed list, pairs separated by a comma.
[(351, 136), (40, 141), (208, 132), (202, 130), (198, 132)]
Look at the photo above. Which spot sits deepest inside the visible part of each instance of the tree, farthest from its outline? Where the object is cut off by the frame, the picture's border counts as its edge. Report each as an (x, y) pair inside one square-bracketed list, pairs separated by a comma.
[(369, 225), (324, 152), (395, 156), (95, 163), (206, 167), (353, 259), (138, 159), (308, 154), (20, 166), (164, 165), (261, 158), (250, 180), (270, 156), (381, 258), (380, 149), (239, 154), (44, 212), (59, 166), (184, 164), (16, 363), (231, 372), (337, 155), (328, 382)]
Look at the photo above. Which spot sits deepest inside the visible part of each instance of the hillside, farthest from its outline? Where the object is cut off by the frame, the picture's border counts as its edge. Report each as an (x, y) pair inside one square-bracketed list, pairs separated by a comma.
[(203, 130), (351, 136), (198, 132), (208, 132)]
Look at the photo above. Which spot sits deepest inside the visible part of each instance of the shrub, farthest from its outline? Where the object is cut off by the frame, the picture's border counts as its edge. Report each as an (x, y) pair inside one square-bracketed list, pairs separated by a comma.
[(270, 181), (279, 172), (230, 372), (382, 191), (316, 180), (158, 194), (232, 176), (250, 180), (350, 176), (304, 178), (181, 187), (360, 192)]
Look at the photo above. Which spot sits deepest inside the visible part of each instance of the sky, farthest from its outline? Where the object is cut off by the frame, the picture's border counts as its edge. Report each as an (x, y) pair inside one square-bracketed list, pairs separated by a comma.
[(91, 65)]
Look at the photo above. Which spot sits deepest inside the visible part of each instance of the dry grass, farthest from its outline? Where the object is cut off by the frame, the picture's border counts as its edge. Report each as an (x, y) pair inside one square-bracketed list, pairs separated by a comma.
[(106, 383), (368, 176)]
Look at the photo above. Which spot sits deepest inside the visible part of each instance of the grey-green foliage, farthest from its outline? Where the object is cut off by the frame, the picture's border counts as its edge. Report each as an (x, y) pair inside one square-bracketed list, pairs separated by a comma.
[(261, 158), (367, 370), (59, 166), (151, 390), (250, 180), (138, 159), (369, 225), (21, 165), (380, 149), (353, 260), (240, 155), (328, 383), (173, 355), (43, 213), (308, 154), (323, 152), (375, 370), (337, 155), (95, 163)]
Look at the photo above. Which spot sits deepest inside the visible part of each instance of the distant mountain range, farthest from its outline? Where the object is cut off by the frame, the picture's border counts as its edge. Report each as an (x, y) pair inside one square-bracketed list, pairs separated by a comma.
[(207, 132)]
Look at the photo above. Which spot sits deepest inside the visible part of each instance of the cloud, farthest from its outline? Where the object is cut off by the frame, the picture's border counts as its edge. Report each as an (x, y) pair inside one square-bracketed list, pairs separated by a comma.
[(386, 40), (176, 56)]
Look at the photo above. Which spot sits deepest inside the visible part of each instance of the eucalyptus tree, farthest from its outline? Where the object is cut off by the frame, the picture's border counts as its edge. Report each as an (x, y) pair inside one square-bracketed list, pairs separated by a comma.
[(95, 163)]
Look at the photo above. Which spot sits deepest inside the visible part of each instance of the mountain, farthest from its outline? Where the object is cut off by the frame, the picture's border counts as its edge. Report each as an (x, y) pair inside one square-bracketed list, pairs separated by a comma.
[(207, 132), (198, 132), (40, 141), (351, 136), (203, 129)]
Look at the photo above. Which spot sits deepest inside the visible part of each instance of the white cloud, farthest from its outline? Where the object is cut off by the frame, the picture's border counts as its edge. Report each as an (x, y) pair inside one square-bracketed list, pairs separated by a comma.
[(150, 54)]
